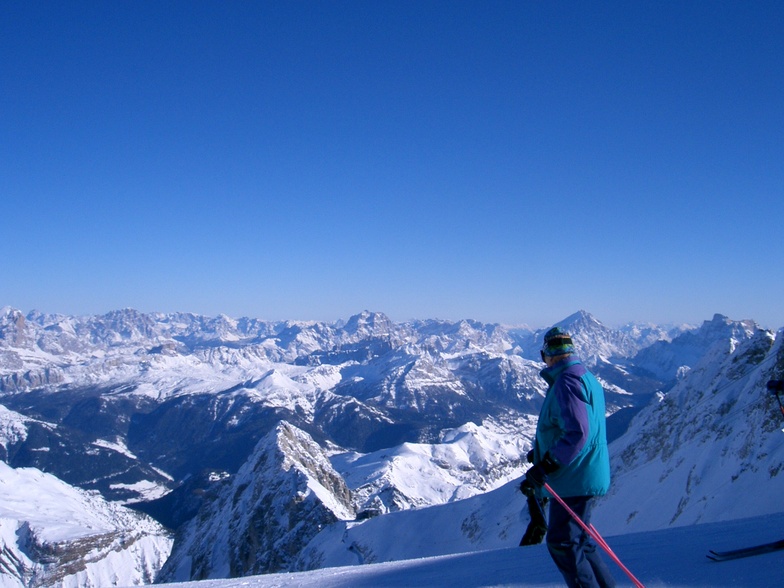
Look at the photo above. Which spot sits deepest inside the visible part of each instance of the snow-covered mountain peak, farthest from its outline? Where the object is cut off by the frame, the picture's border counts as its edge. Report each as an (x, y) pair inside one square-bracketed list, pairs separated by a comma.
[(646, 334), (665, 360), (581, 320), (279, 499), (369, 323), (296, 449), (12, 327), (467, 460), (594, 342)]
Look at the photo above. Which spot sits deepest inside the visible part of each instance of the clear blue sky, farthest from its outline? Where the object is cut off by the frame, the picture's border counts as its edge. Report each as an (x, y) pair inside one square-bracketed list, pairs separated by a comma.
[(508, 162)]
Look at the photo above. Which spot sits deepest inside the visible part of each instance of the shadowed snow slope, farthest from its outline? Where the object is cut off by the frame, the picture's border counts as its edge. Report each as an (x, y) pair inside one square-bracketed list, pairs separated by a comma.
[(673, 557)]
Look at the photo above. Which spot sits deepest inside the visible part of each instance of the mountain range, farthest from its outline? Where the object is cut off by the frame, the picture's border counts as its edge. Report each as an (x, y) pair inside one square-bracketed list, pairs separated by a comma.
[(278, 446)]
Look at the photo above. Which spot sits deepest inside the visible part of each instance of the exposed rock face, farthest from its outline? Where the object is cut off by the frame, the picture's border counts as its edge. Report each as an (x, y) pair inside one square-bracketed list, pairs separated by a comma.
[(55, 535), (29, 379), (278, 501), (12, 327)]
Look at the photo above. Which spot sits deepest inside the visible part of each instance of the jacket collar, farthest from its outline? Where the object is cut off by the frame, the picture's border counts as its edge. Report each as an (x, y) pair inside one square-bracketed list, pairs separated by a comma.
[(550, 374)]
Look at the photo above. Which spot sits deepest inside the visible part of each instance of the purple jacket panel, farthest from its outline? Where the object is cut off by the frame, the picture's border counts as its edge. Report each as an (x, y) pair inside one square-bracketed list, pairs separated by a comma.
[(569, 394)]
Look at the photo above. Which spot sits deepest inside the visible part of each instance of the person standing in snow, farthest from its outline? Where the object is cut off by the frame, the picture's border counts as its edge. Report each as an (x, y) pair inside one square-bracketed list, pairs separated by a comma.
[(570, 454)]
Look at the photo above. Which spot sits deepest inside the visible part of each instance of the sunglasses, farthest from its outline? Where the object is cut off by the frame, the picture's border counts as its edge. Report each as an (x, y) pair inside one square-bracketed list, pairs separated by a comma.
[(555, 342)]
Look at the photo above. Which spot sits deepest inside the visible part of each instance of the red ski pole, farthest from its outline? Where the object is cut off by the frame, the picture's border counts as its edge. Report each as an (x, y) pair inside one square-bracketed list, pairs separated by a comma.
[(594, 534)]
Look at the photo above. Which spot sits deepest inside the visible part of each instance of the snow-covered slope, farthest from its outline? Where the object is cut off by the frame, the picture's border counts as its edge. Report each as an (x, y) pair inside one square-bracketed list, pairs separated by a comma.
[(469, 460), (55, 535), (711, 449), (279, 500), (492, 520), (667, 558)]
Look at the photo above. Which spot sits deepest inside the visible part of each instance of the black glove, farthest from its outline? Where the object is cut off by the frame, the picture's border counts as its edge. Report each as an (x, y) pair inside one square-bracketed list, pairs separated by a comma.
[(534, 534), (529, 457), (527, 488), (537, 475), (537, 527)]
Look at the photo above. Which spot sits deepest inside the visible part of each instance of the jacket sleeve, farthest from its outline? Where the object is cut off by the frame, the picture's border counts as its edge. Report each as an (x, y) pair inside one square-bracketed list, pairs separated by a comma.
[(574, 415)]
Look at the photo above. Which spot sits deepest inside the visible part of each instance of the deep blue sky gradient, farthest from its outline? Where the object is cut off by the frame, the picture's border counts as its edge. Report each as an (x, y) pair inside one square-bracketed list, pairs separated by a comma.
[(503, 161)]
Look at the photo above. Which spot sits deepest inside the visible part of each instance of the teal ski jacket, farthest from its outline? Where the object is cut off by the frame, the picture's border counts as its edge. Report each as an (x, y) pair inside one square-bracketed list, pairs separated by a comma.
[(572, 428)]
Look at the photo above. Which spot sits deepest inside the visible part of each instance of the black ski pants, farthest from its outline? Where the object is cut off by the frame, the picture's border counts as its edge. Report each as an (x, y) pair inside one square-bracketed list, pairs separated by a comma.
[(572, 549)]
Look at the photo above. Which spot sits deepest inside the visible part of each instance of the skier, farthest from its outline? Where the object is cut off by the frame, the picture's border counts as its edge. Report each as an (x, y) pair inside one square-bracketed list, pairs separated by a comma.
[(570, 454)]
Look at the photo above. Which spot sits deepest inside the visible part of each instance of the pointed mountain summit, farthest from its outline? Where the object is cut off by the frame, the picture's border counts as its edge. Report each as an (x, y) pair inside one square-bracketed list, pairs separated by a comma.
[(12, 327), (369, 324), (260, 520), (594, 341)]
